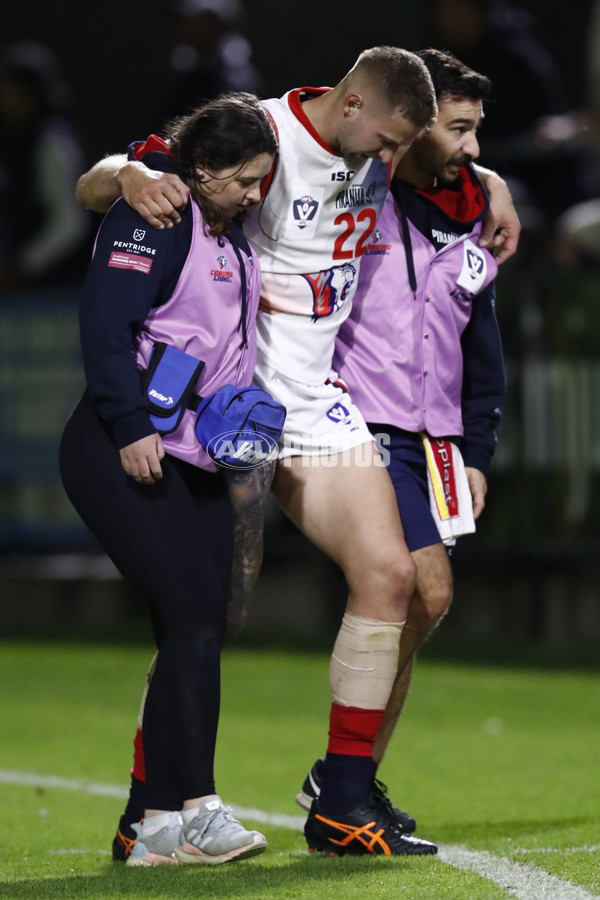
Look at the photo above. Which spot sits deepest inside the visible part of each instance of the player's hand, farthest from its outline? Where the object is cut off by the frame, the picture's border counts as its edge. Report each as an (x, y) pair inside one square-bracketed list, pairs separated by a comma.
[(157, 196), (141, 460), (502, 227), (478, 486)]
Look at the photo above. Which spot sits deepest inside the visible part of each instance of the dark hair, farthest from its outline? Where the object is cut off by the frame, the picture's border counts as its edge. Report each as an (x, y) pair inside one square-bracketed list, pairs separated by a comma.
[(404, 82), (225, 132), (452, 78)]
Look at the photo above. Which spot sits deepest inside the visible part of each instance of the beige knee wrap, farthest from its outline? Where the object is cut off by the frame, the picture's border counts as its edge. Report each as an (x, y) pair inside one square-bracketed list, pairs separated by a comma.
[(364, 662)]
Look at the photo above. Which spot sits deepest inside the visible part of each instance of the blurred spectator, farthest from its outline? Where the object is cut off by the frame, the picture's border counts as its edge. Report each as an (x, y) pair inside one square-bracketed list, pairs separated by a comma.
[(532, 134), (211, 55), (43, 230), (578, 229)]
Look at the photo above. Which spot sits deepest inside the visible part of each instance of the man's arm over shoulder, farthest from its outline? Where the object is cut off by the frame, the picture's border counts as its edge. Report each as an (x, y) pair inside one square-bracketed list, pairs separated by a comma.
[(98, 188), (502, 227), (156, 195)]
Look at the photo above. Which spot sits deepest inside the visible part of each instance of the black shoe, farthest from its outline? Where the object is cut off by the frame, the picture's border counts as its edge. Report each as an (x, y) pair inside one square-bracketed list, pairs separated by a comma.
[(379, 797), (311, 789), (123, 842), (363, 831)]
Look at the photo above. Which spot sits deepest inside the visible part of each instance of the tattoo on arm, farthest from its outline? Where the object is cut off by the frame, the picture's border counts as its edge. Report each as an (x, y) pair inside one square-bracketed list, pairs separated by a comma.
[(248, 491)]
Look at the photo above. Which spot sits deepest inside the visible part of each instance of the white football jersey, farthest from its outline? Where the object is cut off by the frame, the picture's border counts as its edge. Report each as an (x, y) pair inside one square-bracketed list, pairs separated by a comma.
[(310, 232)]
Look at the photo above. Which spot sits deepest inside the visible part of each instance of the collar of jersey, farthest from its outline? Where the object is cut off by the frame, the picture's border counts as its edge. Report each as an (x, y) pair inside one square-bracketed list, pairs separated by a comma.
[(463, 201), (295, 105)]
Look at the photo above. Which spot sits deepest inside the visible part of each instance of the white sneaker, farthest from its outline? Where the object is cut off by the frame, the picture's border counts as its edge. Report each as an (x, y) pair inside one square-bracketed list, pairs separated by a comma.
[(156, 843), (214, 836)]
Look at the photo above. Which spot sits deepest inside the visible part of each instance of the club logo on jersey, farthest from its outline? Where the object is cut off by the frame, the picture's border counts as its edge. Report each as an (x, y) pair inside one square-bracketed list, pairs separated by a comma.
[(305, 209), (474, 268), (139, 235), (339, 414), (222, 273), (330, 288), (376, 247)]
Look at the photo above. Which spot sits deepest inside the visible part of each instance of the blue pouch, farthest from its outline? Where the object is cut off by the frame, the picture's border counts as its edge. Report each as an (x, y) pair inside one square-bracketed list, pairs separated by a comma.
[(239, 427), (168, 383)]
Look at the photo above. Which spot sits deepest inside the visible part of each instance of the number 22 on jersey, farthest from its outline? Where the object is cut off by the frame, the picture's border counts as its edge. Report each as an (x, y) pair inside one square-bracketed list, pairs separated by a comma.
[(345, 247)]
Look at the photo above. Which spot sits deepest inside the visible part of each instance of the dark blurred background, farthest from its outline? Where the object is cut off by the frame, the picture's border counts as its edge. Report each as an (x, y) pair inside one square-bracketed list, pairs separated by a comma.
[(79, 81)]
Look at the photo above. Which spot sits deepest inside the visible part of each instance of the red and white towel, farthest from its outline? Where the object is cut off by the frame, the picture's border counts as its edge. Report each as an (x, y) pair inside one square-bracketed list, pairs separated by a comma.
[(449, 493)]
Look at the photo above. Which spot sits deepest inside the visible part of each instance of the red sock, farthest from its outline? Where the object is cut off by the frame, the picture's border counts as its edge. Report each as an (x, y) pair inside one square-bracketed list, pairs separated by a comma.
[(139, 765), (352, 730)]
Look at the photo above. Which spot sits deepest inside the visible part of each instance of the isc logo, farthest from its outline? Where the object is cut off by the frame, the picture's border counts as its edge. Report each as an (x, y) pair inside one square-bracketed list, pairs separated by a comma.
[(341, 176)]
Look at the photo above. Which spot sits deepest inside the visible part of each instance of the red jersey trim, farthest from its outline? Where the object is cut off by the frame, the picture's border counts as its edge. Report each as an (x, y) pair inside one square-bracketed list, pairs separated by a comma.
[(152, 143), (464, 202), (296, 107), (267, 182)]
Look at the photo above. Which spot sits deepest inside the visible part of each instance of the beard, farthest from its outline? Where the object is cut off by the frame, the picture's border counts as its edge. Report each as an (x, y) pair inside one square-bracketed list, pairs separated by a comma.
[(461, 161), (456, 162)]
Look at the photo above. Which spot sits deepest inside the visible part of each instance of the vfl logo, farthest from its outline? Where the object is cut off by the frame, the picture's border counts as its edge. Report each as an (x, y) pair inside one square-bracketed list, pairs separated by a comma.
[(339, 414), (474, 268), (376, 236), (330, 288), (139, 235), (241, 449), (222, 260), (474, 264), (304, 210)]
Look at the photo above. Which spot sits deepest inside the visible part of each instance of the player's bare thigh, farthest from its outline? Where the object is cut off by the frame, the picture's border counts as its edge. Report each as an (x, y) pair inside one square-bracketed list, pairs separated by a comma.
[(345, 504)]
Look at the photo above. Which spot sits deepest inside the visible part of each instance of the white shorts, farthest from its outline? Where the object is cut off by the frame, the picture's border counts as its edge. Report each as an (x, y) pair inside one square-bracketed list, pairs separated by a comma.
[(321, 419)]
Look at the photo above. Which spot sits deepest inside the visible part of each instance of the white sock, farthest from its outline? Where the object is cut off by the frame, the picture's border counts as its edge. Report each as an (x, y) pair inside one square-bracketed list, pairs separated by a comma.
[(188, 814), (153, 824)]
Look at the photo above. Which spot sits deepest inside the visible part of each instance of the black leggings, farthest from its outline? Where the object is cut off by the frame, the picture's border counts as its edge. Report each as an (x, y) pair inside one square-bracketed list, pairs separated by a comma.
[(173, 542)]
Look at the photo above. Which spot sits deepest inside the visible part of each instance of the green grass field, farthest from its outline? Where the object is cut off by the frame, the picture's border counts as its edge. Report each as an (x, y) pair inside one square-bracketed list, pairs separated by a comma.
[(499, 765)]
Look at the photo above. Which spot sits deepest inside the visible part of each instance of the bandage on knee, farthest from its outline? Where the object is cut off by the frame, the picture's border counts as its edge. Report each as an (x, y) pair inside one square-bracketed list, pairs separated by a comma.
[(364, 662)]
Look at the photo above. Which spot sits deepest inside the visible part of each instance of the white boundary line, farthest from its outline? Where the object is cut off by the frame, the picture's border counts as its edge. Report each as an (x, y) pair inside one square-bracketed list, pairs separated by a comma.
[(587, 848), (520, 880), (113, 790)]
